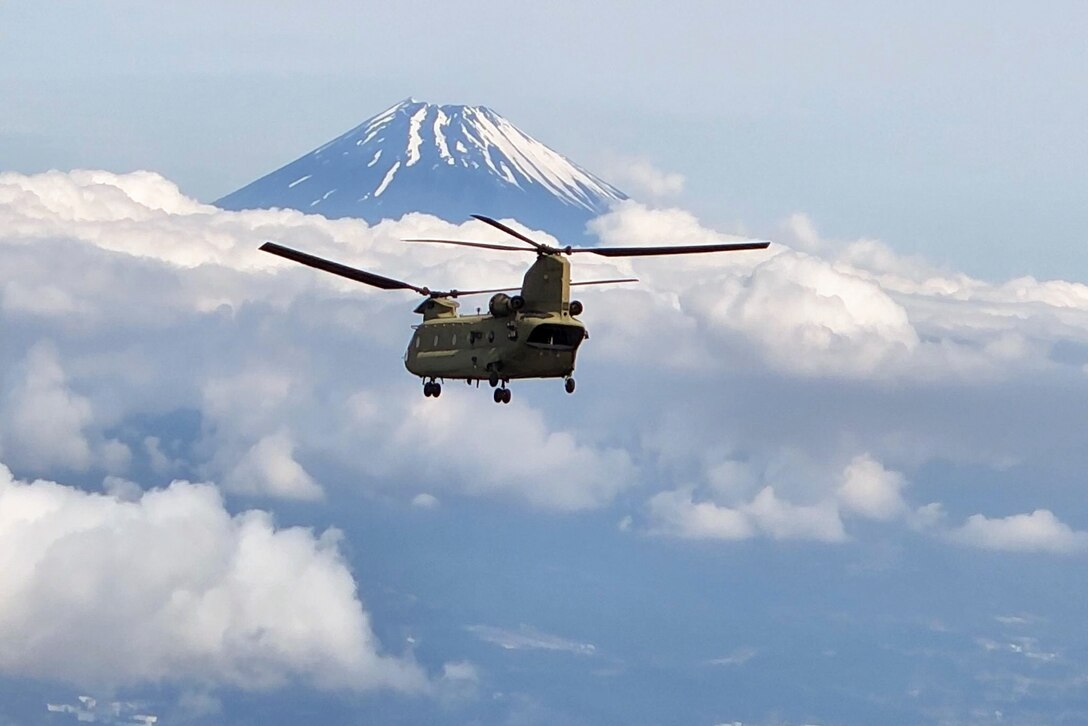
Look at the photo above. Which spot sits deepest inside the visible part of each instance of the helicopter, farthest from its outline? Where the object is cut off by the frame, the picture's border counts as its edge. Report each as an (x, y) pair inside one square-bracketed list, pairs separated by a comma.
[(534, 333)]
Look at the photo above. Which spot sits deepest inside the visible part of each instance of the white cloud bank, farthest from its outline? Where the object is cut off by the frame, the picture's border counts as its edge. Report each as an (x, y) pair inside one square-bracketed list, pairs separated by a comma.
[(169, 586), (147, 291), (124, 298)]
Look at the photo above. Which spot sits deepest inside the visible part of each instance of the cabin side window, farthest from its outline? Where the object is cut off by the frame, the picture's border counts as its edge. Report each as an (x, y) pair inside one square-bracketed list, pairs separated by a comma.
[(556, 337)]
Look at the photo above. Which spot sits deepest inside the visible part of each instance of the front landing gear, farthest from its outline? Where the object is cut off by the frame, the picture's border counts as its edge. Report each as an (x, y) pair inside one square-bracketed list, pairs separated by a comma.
[(502, 395), (569, 385), (432, 388)]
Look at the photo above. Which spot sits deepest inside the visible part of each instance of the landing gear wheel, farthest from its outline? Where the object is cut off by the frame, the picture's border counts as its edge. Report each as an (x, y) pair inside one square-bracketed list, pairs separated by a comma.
[(436, 389), (498, 395), (505, 395), (569, 385), (427, 390)]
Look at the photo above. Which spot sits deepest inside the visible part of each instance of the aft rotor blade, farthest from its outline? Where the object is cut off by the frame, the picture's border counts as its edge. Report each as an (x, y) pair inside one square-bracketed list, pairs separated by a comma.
[(368, 278), (677, 250), (605, 282), (462, 243), (513, 232)]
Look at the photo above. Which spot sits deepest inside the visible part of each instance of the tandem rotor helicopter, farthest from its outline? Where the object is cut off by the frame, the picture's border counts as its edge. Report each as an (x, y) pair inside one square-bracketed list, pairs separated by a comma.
[(533, 334)]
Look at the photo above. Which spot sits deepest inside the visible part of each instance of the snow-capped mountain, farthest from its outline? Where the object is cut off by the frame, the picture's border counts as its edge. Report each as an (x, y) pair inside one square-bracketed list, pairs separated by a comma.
[(450, 161)]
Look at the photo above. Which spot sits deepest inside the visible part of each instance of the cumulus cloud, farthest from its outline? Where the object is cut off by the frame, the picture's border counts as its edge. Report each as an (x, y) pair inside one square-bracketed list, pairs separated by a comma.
[(842, 322), (44, 421), (106, 592), (675, 513), (864, 488), (870, 490), (849, 309), (269, 468), (44, 424), (516, 455), (1039, 531), (642, 179)]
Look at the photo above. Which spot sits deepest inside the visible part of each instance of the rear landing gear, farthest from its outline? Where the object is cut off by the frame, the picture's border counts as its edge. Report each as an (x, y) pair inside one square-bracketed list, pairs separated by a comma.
[(569, 385), (432, 388), (502, 395)]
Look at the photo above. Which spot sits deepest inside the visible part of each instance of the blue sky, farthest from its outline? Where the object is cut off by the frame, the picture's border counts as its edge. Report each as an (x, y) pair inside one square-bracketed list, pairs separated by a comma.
[(848, 490)]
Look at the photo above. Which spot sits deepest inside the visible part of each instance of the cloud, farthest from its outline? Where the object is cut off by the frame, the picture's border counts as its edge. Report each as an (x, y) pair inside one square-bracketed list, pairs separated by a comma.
[(738, 657), (870, 490), (43, 423), (725, 510), (515, 455), (675, 513), (90, 710), (849, 309), (106, 593), (841, 322), (425, 501), (269, 468), (528, 638), (642, 179), (1039, 531)]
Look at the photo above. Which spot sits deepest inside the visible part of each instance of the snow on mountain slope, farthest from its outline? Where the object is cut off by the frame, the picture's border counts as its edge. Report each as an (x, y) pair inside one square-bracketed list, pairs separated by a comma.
[(450, 161)]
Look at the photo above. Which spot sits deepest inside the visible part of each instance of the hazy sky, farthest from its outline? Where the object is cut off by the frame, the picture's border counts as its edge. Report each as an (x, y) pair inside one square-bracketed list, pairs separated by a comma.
[(839, 481), (954, 129)]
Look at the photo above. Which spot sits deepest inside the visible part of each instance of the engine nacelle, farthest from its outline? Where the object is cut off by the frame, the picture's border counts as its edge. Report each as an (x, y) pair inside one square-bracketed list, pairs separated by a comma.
[(502, 305), (499, 305)]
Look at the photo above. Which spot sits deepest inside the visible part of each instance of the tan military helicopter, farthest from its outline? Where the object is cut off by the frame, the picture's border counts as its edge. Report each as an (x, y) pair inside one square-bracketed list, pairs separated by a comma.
[(534, 334)]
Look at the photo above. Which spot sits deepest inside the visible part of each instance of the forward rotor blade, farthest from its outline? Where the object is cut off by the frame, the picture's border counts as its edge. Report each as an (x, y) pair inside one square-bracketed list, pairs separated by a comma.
[(368, 278), (462, 243), (605, 282), (513, 232), (678, 250), (461, 293)]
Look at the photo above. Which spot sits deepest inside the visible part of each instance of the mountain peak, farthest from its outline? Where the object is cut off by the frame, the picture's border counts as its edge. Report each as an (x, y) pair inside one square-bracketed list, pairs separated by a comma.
[(448, 160)]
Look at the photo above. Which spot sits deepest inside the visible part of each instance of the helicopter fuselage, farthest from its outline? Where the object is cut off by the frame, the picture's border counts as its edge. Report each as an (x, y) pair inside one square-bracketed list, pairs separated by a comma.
[(527, 344), (531, 335)]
